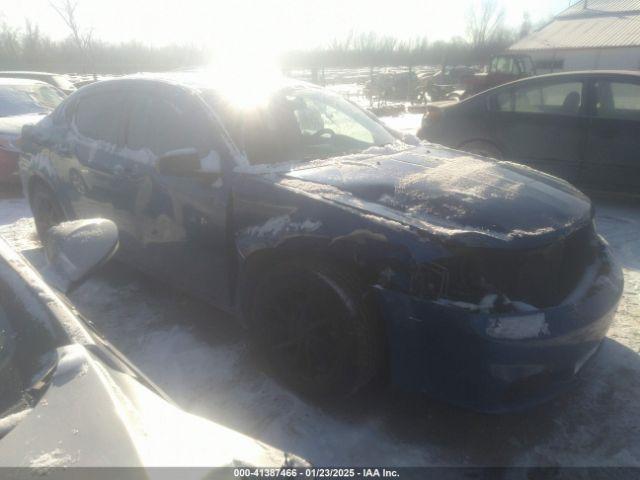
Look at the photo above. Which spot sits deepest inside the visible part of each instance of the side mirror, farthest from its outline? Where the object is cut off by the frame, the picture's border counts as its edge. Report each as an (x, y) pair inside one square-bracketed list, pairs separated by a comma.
[(189, 163), (76, 249)]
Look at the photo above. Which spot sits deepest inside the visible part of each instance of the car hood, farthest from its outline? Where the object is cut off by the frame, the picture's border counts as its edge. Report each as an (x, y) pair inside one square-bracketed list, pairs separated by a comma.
[(95, 416), (448, 193), (13, 125)]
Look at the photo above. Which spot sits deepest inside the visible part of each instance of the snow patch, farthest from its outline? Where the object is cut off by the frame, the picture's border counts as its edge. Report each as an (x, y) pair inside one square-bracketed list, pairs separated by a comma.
[(488, 303), (276, 225), (53, 459), (518, 327)]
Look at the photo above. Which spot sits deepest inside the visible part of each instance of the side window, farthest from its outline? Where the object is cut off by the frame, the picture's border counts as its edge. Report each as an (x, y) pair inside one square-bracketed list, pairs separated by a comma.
[(556, 98), (137, 124), (617, 100), (502, 102), (164, 125), (314, 116), (502, 65), (100, 116)]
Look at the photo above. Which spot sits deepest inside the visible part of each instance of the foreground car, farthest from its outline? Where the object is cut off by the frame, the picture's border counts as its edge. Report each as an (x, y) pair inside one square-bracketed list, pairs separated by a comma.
[(69, 399), (346, 252), (21, 102), (580, 126)]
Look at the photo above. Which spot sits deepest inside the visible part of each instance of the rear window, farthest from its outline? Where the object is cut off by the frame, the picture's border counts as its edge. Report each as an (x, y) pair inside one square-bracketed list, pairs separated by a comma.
[(617, 100)]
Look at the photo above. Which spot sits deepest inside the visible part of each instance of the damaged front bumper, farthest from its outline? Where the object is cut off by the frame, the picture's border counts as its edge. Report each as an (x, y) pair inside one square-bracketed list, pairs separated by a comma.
[(494, 362)]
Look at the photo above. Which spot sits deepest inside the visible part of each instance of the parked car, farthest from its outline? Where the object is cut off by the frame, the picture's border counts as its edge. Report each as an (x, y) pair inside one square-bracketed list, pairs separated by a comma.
[(580, 126), (58, 80), (346, 252), (21, 102), (70, 399), (443, 82)]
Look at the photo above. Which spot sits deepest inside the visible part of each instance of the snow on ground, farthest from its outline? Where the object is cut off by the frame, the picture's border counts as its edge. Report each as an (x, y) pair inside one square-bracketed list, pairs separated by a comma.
[(407, 123), (198, 356)]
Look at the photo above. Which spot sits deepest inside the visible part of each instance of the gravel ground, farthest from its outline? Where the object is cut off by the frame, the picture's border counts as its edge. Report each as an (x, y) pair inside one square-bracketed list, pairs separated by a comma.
[(198, 356)]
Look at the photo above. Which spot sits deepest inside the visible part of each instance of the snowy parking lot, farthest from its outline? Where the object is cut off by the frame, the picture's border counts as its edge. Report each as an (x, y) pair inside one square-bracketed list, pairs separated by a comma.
[(198, 356)]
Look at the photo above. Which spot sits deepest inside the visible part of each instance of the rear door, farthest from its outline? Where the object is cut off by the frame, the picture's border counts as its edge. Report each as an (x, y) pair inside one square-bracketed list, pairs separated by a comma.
[(105, 179), (543, 124), (612, 161)]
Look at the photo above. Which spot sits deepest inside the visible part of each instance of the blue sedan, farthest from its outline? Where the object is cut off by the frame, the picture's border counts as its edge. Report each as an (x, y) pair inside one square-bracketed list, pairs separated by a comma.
[(347, 251)]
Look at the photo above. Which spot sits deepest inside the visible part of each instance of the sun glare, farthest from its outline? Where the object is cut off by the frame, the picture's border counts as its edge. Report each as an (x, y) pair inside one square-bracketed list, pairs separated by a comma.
[(245, 77)]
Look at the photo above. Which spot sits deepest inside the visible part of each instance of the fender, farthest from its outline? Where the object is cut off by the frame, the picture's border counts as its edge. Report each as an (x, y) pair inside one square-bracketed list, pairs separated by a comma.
[(368, 252)]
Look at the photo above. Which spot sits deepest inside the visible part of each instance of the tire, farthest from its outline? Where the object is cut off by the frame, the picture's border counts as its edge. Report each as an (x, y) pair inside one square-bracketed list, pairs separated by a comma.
[(46, 209), (313, 329), (480, 147)]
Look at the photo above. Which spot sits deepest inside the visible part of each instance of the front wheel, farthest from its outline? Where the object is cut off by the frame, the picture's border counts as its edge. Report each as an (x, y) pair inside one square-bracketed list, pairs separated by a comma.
[(312, 327), (46, 209)]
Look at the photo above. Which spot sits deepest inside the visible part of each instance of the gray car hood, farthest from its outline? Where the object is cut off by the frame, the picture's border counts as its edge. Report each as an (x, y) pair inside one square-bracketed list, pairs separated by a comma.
[(93, 416)]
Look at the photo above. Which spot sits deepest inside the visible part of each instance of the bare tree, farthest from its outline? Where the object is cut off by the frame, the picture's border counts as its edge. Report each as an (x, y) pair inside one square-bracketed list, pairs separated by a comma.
[(83, 39), (9, 41), (485, 22)]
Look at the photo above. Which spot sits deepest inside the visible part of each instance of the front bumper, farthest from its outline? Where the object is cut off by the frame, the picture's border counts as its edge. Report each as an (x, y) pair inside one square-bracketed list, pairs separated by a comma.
[(494, 362)]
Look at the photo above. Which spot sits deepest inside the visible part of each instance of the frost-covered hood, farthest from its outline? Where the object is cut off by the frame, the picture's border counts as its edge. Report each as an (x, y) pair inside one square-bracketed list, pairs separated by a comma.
[(448, 192), (13, 125)]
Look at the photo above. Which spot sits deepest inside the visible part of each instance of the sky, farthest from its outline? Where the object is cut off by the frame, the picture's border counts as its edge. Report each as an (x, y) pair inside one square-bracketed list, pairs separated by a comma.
[(273, 25)]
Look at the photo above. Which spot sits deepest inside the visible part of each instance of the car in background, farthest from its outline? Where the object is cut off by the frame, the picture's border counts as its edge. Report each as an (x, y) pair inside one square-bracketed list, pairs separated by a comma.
[(58, 80), (439, 85), (583, 127), (348, 253), (502, 69), (21, 102), (70, 399)]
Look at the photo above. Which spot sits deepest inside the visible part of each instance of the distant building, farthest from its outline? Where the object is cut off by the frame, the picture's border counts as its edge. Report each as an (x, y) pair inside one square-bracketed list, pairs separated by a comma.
[(591, 34)]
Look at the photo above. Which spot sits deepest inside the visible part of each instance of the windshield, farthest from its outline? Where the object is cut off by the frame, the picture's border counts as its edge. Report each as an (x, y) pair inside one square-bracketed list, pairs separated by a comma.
[(23, 99), (27, 357), (301, 123)]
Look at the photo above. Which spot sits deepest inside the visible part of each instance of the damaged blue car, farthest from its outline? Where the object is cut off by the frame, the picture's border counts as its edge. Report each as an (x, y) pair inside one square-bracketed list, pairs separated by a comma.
[(348, 252)]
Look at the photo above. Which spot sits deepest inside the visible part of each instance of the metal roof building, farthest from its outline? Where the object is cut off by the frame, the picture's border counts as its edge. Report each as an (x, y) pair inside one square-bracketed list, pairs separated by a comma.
[(591, 34)]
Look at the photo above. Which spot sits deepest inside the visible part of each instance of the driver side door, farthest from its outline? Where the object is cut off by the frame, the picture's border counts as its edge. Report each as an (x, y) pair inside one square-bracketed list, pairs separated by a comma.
[(181, 220)]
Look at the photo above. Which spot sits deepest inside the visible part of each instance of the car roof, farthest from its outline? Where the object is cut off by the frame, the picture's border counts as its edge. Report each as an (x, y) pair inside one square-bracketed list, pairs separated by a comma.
[(25, 72), (559, 75), (20, 81), (577, 73), (195, 80)]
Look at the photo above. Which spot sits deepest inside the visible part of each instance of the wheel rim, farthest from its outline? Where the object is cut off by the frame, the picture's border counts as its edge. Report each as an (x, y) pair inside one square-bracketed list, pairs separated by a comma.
[(302, 332)]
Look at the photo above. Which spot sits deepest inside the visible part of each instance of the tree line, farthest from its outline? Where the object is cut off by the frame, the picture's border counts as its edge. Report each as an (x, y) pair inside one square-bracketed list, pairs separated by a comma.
[(27, 48)]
